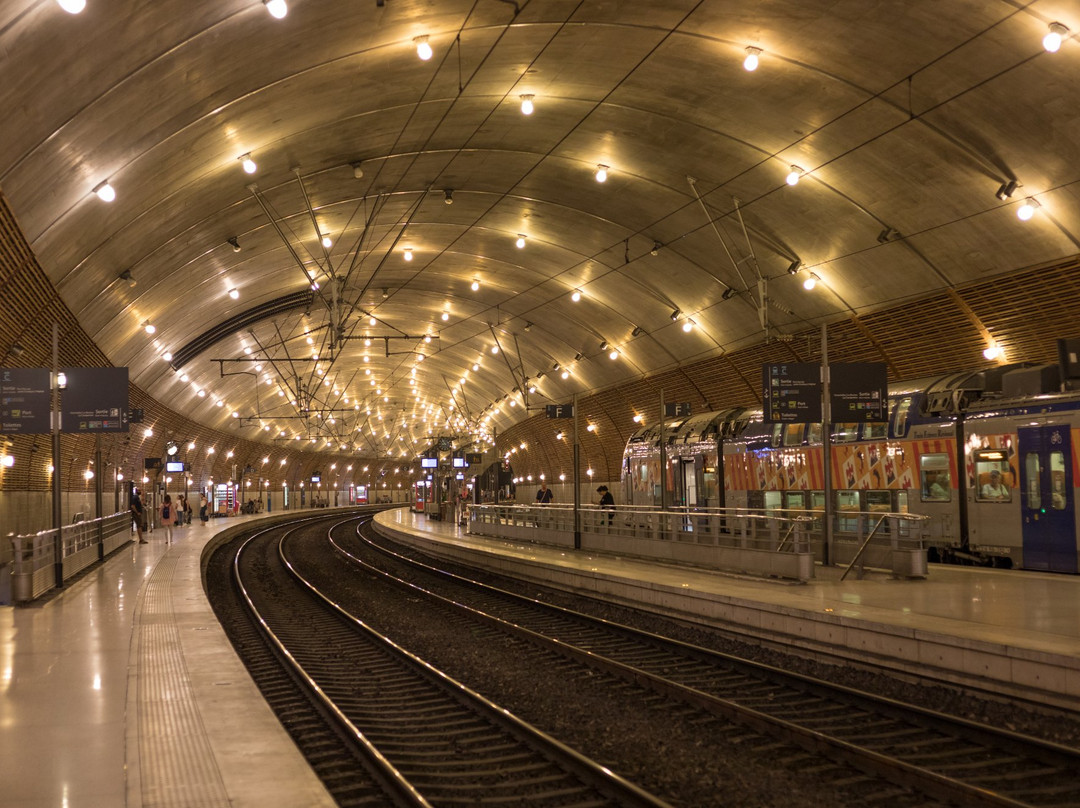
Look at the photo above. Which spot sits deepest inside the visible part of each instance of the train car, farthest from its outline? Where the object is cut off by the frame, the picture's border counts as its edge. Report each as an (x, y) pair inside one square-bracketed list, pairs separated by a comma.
[(987, 455)]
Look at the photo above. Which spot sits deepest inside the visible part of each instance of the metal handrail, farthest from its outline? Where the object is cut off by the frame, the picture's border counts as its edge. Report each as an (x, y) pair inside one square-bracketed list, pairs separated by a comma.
[(909, 517)]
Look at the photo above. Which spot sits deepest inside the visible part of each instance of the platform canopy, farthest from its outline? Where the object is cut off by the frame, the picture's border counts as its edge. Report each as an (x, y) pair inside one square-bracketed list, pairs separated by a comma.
[(366, 222)]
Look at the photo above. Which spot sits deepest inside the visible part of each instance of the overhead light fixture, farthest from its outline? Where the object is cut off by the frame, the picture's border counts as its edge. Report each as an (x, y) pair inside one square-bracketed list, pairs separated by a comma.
[(601, 173), (249, 165), (445, 316), (105, 192), (167, 356), (688, 325), (675, 314), (520, 241), (423, 48), (72, 6), (494, 349), (1027, 210), (729, 293), (357, 170), (1052, 41), (794, 175), (234, 294), (576, 296), (527, 105), (475, 285), (656, 245), (149, 327), (128, 277), (448, 196), (613, 355), (327, 242), (811, 281), (277, 8), (637, 332), (888, 234), (794, 267), (61, 381), (603, 346), (750, 63), (234, 242), (1006, 190), (407, 253)]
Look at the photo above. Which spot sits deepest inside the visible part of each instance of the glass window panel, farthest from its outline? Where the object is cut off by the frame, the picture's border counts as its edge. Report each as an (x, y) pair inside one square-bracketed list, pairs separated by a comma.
[(993, 480), (796, 500), (880, 501), (845, 433), (1031, 467), (902, 408), (1057, 481), (793, 434), (772, 500), (936, 486), (813, 433), (875, 431)]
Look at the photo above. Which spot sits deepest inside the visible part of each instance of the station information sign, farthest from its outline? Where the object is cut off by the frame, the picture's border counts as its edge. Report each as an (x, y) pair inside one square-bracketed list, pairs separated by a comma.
[(24, 401), (858, 392), (677, 409), (95, 400), (791, 392), (560, 410)]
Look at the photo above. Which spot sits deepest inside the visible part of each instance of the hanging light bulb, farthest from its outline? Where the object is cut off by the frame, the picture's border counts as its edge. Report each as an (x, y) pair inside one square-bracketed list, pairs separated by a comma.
[(249, 165), (601, 173), (105, 192), (327, 242), (520, 241), (423, 48), (475, 286), (1027, 210), (750, 63), (277, 8), (993, 351), (407, 253), (576, 296), (234, 294), (1052, 41), (794, 175), (149, 327), (72, 6), (688, 325), (810, 282), (613, 355), (527, 105)]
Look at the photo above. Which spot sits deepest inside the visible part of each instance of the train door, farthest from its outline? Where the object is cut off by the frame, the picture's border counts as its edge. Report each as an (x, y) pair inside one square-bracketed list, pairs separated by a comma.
[(688, 479), (1047, 510)]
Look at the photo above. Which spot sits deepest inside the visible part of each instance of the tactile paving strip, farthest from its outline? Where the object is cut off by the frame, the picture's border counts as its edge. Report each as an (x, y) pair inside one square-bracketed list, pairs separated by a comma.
[(176, 763)]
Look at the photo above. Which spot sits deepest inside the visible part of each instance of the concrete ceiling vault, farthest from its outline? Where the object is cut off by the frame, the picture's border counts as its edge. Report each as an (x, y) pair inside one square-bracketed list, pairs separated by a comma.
[(474, 260)]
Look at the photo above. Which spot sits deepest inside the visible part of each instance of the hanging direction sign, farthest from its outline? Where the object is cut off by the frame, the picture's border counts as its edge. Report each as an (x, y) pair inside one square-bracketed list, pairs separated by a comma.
[(677, 410), (859, 391), (95, 400), (24, 401), (791, 392), (560, 410)]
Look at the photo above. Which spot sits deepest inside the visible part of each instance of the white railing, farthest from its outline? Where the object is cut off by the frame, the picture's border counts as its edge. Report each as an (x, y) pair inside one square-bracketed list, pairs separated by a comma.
[(33, 556), (778, 543)]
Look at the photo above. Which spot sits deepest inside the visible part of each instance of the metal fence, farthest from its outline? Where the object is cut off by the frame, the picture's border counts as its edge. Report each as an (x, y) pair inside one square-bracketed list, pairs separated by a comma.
[(774, 543), (33, 557)]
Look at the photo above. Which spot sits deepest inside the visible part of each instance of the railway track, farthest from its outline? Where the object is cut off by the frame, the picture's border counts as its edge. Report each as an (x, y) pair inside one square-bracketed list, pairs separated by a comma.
[(406, 733), (946, 758)]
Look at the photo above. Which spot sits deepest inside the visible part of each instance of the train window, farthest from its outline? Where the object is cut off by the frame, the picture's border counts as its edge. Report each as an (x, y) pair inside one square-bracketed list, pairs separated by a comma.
[(793, 434), (900, 424), (796, 500), (813, 434), (772, 500), (817, 500), (1057, 481), (901, 502), (845, 433), (879, 501), (875, 431), (935, 477), (1034, 495), (993, 478), (777, 431)]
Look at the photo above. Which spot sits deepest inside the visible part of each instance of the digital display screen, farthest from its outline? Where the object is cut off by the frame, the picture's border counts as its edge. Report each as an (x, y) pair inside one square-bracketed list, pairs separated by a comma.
[(316, 479), (429, 462), (459, 462), (174, 466)]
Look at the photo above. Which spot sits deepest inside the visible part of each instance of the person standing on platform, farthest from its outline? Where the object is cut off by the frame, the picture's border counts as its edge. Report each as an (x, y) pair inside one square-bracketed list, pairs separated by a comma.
[(543, 496), (168, 517), (202, 509), (136, 508), (607, 503)]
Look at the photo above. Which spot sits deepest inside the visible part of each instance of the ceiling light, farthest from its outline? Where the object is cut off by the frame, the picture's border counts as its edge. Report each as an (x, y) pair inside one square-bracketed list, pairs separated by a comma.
[(494, 349), (729, 293), (637, 332), (423, 49), (751, 60), (1052, 41), (811, 281), (993, 350), (613, 355), (688, 326), (520, 241), (72, 6), (105, 192), (448, 197), (277, 8), (888, 234), (326, 242), (127, 276), (601, 173), (249, 165), (794, 266), (167, 356), (234, 243), (527, 105), (149, 327), (794, 175), (475, 285), (1006, 190), (675, 314), (656, 245), (407, 253), (603, 346), (1027, 210), (576, 296), (445, 316), (234, 294), (371, 320)]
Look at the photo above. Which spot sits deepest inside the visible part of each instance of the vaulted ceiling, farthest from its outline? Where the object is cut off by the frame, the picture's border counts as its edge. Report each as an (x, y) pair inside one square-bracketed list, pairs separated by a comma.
[(457, 225)]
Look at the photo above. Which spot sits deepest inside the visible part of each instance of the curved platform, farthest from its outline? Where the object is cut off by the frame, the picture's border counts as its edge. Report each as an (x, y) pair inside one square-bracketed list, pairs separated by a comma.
[(122, 689), (1004, 631)]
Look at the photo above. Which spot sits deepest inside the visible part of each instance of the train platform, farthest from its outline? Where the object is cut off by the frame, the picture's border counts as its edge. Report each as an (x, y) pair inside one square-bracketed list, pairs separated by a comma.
[(1011, 633), (122, 689)]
